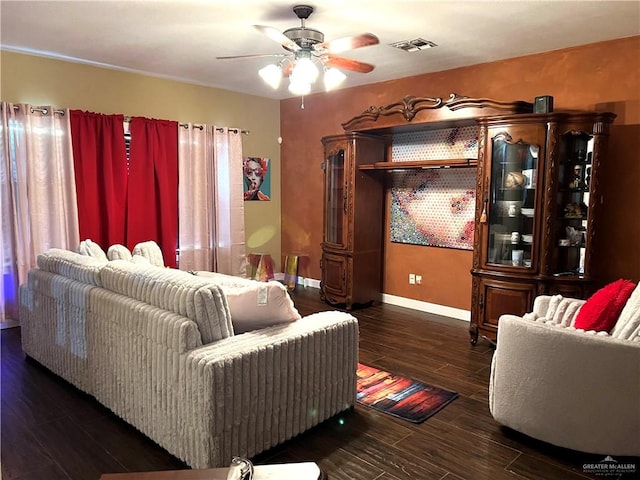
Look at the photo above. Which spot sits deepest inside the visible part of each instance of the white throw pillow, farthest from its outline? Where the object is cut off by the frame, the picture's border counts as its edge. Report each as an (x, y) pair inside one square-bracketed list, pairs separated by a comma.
[(151, 251), (140, 259), (554, 303), (628, 324), (566, 311), (253, 307), (118, 252), (91, 249)]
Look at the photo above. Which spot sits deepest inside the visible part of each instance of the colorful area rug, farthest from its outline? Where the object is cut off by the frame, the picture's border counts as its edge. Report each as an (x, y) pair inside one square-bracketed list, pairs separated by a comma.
[(399, 396)]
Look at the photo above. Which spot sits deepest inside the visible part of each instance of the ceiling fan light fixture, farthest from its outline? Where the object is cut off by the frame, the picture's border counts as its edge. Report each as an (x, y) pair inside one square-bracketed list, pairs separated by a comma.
[(307, 53), (271, 74), (298, 87), (304, 71), (332, 78)]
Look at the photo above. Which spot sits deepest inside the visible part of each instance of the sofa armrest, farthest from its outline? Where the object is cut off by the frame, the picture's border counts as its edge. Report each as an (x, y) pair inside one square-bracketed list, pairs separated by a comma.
[(263, 387), (564, 386)]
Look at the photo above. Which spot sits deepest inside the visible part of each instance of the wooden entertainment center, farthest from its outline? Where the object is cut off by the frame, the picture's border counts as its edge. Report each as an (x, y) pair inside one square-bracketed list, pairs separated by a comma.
[(537, 197)]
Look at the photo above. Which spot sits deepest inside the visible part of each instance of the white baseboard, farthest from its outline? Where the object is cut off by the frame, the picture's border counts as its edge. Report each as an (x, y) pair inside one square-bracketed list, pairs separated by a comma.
[(308, 282), (302, 281), (434, 308)]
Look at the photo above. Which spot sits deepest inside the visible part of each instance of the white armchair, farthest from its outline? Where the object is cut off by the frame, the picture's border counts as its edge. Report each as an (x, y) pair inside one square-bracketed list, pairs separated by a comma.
[(574, 389)]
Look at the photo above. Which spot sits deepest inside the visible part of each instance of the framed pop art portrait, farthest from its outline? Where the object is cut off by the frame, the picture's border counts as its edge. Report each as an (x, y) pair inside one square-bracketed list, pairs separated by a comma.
[(257, 178)]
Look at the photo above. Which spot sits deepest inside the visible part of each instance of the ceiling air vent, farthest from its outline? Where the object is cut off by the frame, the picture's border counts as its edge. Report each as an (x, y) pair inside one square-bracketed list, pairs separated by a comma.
[(414, 45)]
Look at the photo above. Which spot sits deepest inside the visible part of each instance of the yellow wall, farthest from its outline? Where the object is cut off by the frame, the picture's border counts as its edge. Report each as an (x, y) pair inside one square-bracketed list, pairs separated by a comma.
[(44, 81)]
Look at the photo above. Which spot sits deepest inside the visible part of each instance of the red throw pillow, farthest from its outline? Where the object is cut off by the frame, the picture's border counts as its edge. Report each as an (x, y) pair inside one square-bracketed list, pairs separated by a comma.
[(601, 311)]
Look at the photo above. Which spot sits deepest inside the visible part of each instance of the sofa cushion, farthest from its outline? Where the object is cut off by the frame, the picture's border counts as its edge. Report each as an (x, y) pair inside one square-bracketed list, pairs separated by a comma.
[(173, 290), (211, 310), (118, 252), (83, 268), (603, 308), (91, 249), (253, 304), (628, 325), (151, 251)]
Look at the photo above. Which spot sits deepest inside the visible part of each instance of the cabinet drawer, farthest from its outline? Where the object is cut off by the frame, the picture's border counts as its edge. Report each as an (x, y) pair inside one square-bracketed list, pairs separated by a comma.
[(505, 297)]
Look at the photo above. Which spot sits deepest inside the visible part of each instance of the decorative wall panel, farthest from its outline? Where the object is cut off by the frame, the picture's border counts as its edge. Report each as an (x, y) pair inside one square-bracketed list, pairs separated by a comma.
[(433, 207)]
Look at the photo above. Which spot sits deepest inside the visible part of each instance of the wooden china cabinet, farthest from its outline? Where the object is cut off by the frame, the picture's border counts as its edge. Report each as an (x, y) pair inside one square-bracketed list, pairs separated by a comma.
[(353, 220), (537, 210)]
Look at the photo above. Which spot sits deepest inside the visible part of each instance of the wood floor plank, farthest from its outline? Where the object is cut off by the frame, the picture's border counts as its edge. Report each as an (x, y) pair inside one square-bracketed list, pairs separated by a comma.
[(19, 454), (50, 472), (77, 453), (459, 452), (139, 454), (526, 466), (322, 448), (388, 458)]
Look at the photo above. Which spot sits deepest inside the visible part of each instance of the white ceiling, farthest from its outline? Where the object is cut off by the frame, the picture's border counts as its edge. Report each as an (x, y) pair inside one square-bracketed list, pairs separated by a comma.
[(180, 39)]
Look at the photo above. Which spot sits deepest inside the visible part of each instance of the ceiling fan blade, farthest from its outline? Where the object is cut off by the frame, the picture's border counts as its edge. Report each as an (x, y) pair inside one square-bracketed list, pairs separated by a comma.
[(260, 55), (346, 63), (287, 69), (279, 37), (347, 43)]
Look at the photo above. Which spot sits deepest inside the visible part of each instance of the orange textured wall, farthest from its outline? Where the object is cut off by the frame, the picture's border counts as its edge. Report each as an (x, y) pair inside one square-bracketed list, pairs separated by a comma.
[(603, 76)]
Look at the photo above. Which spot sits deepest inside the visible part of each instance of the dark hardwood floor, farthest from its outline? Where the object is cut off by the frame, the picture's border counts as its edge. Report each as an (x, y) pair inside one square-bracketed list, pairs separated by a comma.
[(51, 431)]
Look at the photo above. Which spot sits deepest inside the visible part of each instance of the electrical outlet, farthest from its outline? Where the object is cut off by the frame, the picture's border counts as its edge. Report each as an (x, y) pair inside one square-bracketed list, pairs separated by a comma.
[(419, 279), (412, 278)]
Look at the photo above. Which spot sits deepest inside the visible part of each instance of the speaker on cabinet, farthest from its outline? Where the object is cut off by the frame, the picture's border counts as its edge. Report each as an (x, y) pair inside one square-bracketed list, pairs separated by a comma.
[(543, 104)]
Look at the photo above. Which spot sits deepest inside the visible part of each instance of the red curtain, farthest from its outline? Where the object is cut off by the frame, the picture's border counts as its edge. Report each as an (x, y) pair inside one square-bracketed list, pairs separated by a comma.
[(152, 205), (100, 164)]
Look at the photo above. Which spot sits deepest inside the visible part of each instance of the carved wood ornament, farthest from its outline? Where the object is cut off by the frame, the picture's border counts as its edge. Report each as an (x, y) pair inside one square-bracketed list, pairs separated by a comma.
[(409, 106)]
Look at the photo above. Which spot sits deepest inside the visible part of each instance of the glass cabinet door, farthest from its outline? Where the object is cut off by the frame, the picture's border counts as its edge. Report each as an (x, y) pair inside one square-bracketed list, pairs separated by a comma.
[(336, 198), (572, 202), (512, 201)]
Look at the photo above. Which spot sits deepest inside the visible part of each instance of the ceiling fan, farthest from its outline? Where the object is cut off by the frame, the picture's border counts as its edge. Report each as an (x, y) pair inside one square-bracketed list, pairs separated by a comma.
[(307, 49)]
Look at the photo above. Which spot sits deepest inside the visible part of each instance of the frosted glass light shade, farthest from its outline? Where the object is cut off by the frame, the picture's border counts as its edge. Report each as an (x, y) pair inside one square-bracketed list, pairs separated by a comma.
[(332, 78), (304, 71), (298, 87), (272, 75)]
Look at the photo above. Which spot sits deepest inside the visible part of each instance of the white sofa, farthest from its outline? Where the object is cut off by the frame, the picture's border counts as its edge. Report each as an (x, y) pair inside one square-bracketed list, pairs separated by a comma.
[(571, 388), (157, 347)]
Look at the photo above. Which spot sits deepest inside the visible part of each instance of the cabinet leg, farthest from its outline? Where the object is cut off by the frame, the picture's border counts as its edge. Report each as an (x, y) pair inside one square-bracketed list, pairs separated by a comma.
[(473, 334)]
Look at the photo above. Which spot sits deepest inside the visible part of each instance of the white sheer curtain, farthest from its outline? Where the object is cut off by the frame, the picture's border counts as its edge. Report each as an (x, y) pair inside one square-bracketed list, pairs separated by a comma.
[(195, 198), (39, 209), (211, 202), (229, 198)]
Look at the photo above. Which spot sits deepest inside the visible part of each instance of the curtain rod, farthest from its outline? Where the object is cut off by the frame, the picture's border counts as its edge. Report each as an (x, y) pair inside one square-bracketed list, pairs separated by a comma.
[(45, 111), (220, 129), (42, 110), (200, 127)]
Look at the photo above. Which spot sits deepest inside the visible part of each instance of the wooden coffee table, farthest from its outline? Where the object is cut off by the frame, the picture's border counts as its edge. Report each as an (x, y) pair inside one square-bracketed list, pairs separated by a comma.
[(283, 471)]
